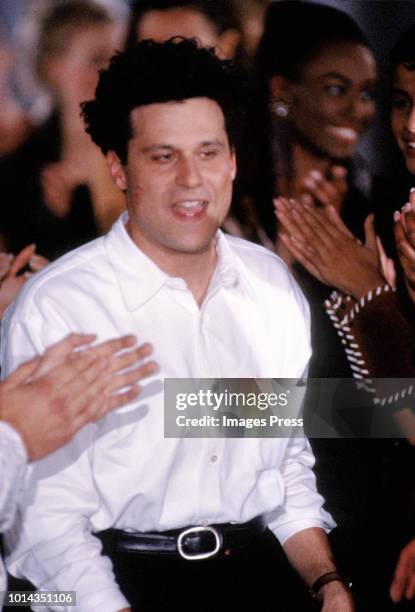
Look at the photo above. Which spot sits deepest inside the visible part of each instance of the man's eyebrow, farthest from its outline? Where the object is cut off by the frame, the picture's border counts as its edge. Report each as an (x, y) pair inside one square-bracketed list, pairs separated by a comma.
[(205, 143), (157, 147), (216, 143)]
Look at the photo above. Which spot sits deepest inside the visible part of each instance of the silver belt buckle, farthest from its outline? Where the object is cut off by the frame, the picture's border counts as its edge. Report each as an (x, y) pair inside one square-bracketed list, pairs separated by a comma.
[(211, 553)]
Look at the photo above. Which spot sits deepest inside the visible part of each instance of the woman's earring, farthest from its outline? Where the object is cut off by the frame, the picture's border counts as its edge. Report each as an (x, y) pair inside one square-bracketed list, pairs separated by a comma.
[(280, 108)]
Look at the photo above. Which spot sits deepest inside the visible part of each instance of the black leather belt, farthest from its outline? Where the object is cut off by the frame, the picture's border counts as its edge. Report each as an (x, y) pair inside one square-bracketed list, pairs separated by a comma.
[(192, 543)]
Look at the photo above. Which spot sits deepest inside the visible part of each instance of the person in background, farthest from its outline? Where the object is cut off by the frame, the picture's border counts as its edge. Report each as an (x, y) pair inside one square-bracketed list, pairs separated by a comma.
[(66, 197), (214, 23), (403, 127), (319, 82), (318, 78), (251, 17), (15, 124), (320, 241)]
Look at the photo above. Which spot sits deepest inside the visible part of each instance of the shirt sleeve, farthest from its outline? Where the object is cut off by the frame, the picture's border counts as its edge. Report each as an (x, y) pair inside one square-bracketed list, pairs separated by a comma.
[(303, 505), (13, 461), (50, 542), (372, 355)]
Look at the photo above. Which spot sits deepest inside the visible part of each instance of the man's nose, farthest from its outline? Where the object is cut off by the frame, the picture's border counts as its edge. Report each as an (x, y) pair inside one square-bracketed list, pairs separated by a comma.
[(188, 173)]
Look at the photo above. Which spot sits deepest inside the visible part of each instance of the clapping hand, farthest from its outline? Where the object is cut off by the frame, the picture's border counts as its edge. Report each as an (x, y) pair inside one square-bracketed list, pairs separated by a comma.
[(49, 398), (403, 584), (322, 244), (325, 191), (58, 181), (405, 242)]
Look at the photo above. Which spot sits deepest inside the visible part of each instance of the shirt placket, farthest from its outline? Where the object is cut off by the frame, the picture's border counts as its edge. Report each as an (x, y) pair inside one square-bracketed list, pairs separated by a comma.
[(213, 447)]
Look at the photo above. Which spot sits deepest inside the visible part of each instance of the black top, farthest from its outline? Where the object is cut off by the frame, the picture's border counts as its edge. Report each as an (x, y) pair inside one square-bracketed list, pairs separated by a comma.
[(24, 217)]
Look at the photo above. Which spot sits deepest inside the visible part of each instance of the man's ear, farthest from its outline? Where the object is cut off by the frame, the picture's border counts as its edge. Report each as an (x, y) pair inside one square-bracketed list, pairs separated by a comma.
[(117, 170)]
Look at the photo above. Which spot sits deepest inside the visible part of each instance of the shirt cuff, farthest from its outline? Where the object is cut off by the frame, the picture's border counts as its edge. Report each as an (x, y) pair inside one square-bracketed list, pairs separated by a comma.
[(13, 462), (283, 532), (109, 600)]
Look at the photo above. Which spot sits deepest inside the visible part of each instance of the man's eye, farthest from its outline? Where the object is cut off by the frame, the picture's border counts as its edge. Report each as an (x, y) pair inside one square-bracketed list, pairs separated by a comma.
[(162, 157), (336, 90), (208, 153)]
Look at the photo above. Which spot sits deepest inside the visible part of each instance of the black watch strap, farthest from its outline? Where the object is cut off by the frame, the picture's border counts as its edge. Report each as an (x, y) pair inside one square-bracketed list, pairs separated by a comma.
[(325, 579)]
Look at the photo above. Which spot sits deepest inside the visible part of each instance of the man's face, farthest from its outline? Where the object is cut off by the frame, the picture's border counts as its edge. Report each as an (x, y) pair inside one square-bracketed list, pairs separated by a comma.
[(178, 176)]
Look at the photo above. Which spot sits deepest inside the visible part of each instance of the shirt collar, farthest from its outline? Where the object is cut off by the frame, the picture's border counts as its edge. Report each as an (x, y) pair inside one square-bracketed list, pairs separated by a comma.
[(139, 278)]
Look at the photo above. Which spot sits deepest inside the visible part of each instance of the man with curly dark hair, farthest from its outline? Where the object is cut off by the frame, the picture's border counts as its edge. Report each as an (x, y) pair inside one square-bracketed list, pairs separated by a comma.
[(189, 524)]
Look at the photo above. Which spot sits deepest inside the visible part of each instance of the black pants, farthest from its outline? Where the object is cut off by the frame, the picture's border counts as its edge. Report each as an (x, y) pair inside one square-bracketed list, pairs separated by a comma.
[(257, 578)]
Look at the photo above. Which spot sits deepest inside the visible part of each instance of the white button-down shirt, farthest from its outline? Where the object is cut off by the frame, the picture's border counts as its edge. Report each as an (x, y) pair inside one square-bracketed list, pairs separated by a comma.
[(13, 461), (122, 472)]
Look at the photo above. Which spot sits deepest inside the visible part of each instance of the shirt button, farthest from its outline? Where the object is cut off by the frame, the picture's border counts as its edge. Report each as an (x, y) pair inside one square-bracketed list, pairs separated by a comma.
[(176, 283), (214, 458)]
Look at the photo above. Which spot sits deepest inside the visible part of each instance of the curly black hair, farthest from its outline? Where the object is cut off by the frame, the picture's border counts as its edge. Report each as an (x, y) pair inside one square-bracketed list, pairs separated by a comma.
[(151, 73)]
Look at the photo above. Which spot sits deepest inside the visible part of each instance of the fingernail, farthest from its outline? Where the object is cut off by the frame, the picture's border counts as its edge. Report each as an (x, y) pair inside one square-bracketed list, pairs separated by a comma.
[(406, 208), (396, 215), (316, 174), (308, 183), (296, 240), (412, 190)]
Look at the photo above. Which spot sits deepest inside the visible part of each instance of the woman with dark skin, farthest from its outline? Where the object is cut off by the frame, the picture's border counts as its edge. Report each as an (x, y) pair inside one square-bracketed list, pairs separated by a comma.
[(320, 81), (315, 238)]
